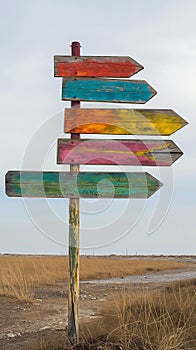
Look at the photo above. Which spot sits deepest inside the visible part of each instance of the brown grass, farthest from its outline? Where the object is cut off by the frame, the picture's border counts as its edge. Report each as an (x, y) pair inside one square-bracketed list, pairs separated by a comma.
[(159, 320), (164, 319), (20, 275), (50, 340), (98, 268)]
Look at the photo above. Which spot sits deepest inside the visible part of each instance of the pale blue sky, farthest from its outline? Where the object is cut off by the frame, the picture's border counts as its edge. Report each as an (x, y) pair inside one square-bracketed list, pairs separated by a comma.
[(161, 35)]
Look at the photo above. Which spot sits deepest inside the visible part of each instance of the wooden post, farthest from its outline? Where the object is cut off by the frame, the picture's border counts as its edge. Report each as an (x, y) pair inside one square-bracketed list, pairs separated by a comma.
[(73, 281)]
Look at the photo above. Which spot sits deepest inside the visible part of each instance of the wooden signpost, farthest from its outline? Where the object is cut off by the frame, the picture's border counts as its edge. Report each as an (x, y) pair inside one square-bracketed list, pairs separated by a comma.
[(123, 121), (107, 90), (120, 152), (81, 82), (100, 66), (84, 185)]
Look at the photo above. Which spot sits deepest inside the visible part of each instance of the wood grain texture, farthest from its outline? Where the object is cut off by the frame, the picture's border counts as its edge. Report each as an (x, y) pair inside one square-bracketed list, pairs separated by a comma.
[(95, 66), (107, 90), (123, 121), (74, 233), (85, 185), (122, 152), (73, 279)]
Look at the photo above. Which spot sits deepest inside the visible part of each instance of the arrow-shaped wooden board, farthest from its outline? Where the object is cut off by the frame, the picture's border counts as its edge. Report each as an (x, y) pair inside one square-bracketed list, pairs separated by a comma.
[(95, 66), (106, 90), (122, 152), (122, 121), (85, 185)]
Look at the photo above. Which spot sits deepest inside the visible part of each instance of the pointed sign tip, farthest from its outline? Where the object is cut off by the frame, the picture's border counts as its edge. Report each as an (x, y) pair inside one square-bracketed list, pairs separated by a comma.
[(185, 122), (153, 92), (153, 184)]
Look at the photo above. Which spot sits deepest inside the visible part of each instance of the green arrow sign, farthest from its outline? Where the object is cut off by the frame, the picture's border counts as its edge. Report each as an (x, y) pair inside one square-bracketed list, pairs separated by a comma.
[(84, 185)]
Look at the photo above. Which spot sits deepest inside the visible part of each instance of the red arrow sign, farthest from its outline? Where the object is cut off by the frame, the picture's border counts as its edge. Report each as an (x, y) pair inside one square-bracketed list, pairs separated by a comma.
[(97, 66)]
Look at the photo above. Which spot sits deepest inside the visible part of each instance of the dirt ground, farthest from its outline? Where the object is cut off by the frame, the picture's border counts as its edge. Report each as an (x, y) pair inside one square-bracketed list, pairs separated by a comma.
[(21, 323)]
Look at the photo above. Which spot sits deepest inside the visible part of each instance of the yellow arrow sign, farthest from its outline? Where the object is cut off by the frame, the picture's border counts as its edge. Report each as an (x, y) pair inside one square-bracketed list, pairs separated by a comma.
[(123, 121)]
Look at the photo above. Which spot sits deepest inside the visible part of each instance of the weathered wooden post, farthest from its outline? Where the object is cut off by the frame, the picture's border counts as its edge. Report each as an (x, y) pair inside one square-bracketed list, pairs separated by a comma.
[(74, 219)]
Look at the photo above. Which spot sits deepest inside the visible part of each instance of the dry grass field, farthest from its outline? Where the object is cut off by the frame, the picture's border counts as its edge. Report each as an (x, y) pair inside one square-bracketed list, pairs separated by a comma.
[(117, 316), (161, 319), (148, 320), (20, 275)]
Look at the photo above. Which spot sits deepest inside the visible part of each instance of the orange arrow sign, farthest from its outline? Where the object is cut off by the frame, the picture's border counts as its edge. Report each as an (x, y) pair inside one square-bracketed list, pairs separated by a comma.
[(97, 66)]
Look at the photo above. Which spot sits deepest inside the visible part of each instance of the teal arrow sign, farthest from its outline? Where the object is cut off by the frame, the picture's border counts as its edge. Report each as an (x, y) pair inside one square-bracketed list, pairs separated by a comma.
[(107, 90), (85, 185)]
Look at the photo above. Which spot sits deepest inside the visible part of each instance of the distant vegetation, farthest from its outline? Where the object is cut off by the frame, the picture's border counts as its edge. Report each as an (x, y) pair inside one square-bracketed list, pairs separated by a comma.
[(20, 275)]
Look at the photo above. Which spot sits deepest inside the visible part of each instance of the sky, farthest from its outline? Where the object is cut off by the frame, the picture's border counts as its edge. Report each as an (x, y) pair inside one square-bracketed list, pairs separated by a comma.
[(161, 35)]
